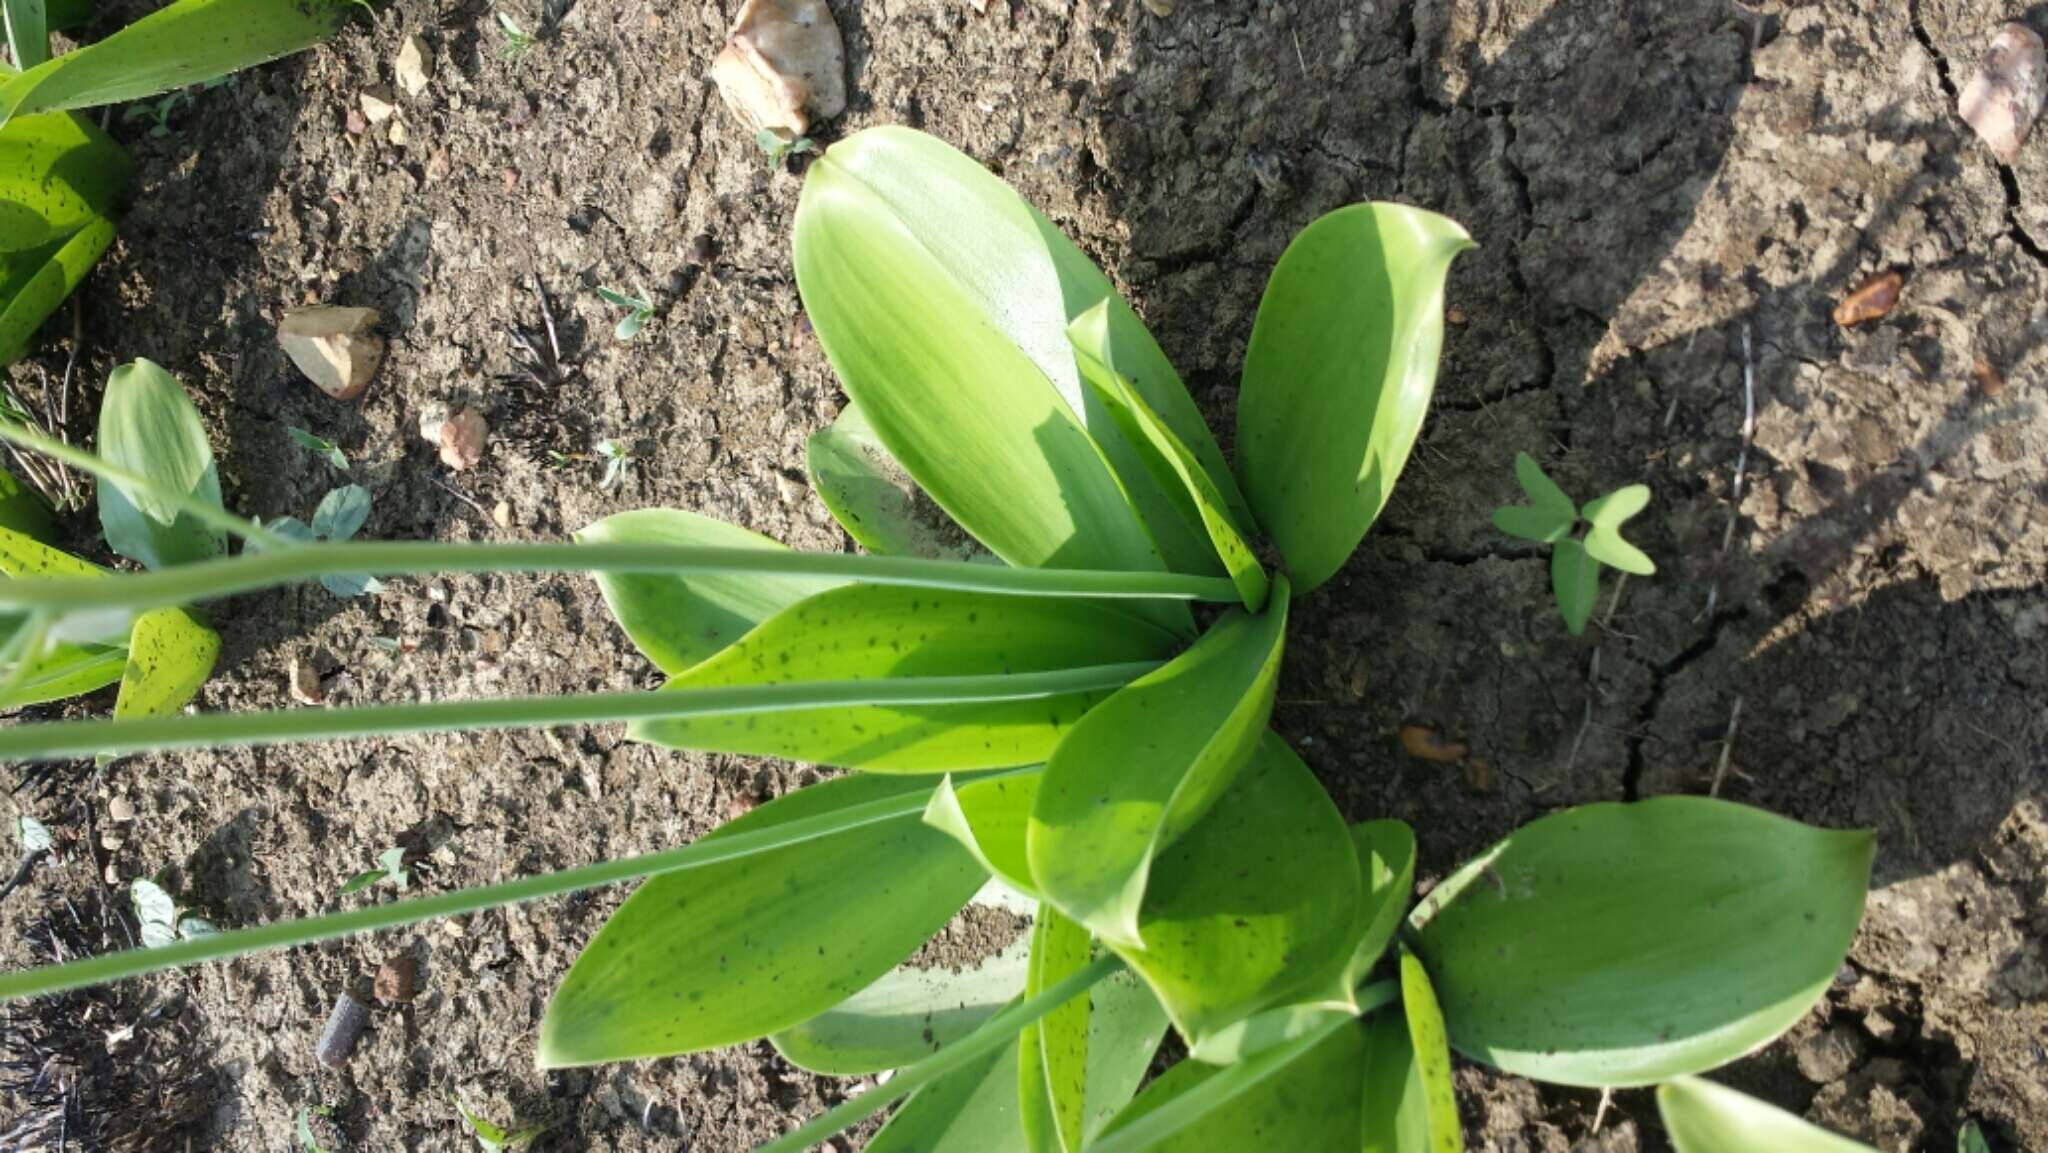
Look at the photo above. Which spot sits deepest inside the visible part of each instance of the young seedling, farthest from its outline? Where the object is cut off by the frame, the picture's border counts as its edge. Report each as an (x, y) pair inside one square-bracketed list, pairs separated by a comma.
[(321, 447), (1550, 518), (163, 920), (391, 870), (639, 310), (780, 144), (1971, 1139), (340, 516), (518, 41), (307, 1141), (618, 461), (1061, 722), (493, 1138)]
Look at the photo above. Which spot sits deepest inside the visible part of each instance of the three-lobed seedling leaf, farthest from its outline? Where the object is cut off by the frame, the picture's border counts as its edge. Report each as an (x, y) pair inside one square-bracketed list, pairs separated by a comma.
[(1550, 518), (163, 921), (391, 869), (638, 309)]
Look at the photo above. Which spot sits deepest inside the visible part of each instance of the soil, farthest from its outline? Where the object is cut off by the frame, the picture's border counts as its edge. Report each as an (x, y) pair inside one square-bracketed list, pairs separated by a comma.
[(1670, 196)]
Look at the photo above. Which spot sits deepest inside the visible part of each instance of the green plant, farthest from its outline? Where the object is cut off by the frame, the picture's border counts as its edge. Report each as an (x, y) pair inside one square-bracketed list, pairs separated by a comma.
[(518, 41), (1061, 726), (391, 870), (321, 447), (639, 310), (163, 920), (493, 1138), (338, 518), (61, 177), (780, 144), (1550, 517), (303, 1129), (1971, 1139)]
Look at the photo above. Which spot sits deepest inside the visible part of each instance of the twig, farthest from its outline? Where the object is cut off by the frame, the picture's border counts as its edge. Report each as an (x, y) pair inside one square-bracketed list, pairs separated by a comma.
[(1741, 461), (464, 497), (547, 317), (1600, 1114), (1727, 749)]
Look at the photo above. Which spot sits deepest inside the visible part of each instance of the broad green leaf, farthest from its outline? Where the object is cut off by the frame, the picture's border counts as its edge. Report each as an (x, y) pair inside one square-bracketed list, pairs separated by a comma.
[(1702, 1117), (1302, 1097), (990, 816), (1145, 765), (975, 1109), (735, 951), (1620, 945), (1013, 282), (871, 496), (1603, 539), (970, 1110), (1252, 903), (1342, 361), (1195, 494), (33, 283), (1396, 1102), (906, 1015), (342, 512), (155, 912), (184, 43), (58, 173), (1575, 583), (1386, 862), (862, 632), (1431, 1051), (679, 621), (149, 426), (60, 670), (24, 556), (1547, 517), (1052, 1053), (28, 32), (22, 509), (1970, 1139), (170, 655)]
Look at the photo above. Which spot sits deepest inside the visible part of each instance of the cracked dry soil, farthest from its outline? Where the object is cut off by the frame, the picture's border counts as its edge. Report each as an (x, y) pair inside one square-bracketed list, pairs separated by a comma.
[(1648, 180)]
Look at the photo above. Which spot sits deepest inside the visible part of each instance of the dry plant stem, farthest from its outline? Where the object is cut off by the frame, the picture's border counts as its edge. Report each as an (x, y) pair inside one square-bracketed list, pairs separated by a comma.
[(1741, 461), (1727, 749)]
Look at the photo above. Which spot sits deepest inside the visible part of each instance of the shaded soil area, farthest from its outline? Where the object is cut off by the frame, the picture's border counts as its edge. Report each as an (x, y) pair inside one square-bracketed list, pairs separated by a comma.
[(1669, 195)]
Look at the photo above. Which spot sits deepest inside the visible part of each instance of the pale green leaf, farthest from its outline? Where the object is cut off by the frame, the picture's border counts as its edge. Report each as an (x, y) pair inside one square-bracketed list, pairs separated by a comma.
[(985, 272), (991, 817), (148, 426), (34, 282), (1431, 1051), (1971, 1139), (1145, 765), (1620, 945), (1396, 1101), (735, 951), (1603, 540), (1340, 369), (184, 43), (1193, 492), (1386, 862), (1052, 1053), (1253, 903), (1703, 1117), (1547, 517), (907, 1014), (170, 655), (862, 632), (342, 512), (873, 499), (679, 620), (1302, 1097), (1575, 583), (59, 670)]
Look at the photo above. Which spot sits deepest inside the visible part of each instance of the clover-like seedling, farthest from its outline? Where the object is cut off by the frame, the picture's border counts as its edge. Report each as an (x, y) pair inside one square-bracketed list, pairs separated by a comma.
[(639, 310), (163, 920), (780, 144), (493, 1138), (391, 870), (340, 516), (1550, 518)]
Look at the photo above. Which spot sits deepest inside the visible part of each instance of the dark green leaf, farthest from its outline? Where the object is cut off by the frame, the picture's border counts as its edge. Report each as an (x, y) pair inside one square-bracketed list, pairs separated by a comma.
[(34, 282), (1971, 1139), (678, 621), (1342, 361), (863, 632), (1702, 1117), (735, 951), (1538, 948), (1141, 769), (873, 499), (1575, 582), (1396, 1103), (184, 43), (320, 445), (342, 512)]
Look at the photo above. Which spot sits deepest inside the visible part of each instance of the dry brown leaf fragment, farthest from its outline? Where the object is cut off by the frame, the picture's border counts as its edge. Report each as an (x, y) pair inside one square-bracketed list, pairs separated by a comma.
[(397, 979), (1871, 300), (1990, 383), (462, 438), (1426, 744), (337, 348), (783, 66), (2003, 98)]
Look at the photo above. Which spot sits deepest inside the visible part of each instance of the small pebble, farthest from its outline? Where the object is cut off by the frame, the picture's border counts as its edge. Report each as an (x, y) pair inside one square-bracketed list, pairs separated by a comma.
[(121, 809), (702, 249), (1871, 300), (1989, 383), (397, 134), (1426, 744), (112, 839), (414, 66), (501, 514), (344, 1026), (461, 438), (356, 124), (397, 979), (378, 104), (2003, 99)]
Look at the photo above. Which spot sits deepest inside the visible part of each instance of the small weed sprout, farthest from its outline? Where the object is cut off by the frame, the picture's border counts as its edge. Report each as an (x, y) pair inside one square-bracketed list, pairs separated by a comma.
[(340, 516), (518, 41), (639, 310), (1550, 518), (163, 920), (391, 869), (493, 1138), (618, 461), (780, 144), (307, 1141), (320, 446)]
